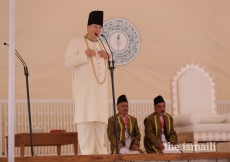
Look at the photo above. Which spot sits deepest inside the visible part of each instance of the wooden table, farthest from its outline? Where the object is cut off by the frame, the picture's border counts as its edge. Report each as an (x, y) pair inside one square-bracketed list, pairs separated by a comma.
[(46, 139)]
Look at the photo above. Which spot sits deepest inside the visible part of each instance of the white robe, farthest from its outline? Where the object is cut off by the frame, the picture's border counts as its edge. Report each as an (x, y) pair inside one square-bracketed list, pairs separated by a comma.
[(91, 98)]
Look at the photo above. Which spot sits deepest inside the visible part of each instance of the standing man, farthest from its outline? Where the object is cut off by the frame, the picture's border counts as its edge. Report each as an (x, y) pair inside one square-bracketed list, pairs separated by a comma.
[(159, 131), (88, 61), (128, 132)]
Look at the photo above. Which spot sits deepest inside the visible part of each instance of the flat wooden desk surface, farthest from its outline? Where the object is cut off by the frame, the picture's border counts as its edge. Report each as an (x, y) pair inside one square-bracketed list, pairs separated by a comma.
[(46, 139)]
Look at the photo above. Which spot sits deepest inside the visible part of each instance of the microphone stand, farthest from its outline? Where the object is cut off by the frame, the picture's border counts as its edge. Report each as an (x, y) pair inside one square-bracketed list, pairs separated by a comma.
[(26, 72), (111, 68)]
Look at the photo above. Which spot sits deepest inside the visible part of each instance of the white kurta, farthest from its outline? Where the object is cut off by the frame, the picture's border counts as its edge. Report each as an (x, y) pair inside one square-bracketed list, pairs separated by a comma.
[(169, 148), (90, 97), (128, 142)]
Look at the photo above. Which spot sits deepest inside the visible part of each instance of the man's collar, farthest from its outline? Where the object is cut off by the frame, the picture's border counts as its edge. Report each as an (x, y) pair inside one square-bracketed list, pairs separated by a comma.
[(91, 39), (119, 114)]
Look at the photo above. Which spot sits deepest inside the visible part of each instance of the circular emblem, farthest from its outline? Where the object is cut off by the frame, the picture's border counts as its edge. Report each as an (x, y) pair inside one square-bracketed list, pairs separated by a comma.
[(123, 40)]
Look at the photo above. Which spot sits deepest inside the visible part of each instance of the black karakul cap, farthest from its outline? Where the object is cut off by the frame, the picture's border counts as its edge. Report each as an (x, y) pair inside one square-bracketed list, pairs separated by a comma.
[(96, 17), (122, 98), (158, 99)]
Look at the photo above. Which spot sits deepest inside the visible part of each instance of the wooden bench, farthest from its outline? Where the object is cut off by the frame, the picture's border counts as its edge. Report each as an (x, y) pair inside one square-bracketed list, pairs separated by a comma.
[(46, 139)]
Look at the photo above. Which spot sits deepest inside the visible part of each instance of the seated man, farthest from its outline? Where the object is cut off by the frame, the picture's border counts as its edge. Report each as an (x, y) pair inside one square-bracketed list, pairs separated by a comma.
[(128, 132), (160, 136)]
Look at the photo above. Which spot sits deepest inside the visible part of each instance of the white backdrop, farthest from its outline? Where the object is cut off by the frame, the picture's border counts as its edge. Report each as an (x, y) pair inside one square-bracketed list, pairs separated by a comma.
[(172, 32)]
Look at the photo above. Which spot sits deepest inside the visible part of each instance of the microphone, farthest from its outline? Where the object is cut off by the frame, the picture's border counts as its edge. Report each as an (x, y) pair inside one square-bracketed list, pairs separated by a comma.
[(26, 72), (102, 44), (109, 49), (6, 44), (18, 55), (108, 45)]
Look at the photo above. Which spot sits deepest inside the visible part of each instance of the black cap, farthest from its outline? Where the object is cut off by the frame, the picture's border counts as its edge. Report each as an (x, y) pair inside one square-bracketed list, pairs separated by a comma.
[(122, 98), (158, 99), (95, 17)]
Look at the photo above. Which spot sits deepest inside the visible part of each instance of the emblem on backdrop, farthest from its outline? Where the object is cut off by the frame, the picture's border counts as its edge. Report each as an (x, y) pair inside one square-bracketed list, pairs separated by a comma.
[(123, 39)]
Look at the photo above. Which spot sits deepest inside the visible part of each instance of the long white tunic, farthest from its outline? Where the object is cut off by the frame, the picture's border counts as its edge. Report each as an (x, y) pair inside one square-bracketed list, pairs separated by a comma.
[(90, 97)]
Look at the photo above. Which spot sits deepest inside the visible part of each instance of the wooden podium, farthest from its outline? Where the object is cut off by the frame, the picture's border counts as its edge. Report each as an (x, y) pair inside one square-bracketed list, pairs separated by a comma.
[(46, 139)]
